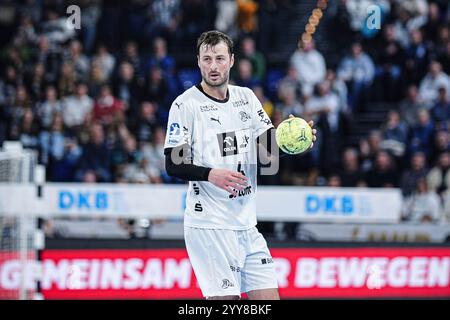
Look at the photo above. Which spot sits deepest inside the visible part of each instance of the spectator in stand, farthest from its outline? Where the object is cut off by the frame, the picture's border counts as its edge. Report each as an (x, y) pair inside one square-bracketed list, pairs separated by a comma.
[(245, 76), (157, 89), (439, 176), (146, 122), (166, 63), (47, 55), (163, 19), (161, 58), (430, 84), (94, 163), (369, 148), (383, 174), (323, 103), (444, 58), (441, 45), (417, 57), (153, 153), (26, 33), (107, 108), (334, 180), (446, 200), (291, 79), (247, 16), (51, 141), (323, 108), (433, 24), (389, 58), (288, 102), (79, 60), (104, 60), (47, 109), (410, 106), (56, 28), (358, 71), (29, 130), (310, 66), (97, 79), (77, 109), (410, 15), (125, 153), (91, 14), (37, 81), (350, 173), (67, 79), (127, 89), (10, 84), (423, 205), (340, 25), (440, 113), (248, 51), (16, 111), (339, 88), (441, 144), (422, 135), (395, 134), (131, 55), (418, 170)]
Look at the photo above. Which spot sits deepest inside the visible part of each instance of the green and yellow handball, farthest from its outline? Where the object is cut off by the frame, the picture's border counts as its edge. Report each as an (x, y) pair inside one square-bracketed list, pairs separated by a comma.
[(294, 135)]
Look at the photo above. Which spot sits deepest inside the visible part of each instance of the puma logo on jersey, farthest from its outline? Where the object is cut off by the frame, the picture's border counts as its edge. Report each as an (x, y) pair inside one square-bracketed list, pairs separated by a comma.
[(213, 119)]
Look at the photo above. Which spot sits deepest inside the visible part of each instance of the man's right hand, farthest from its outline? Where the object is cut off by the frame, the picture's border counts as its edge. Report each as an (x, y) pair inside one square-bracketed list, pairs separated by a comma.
[(228, 180)]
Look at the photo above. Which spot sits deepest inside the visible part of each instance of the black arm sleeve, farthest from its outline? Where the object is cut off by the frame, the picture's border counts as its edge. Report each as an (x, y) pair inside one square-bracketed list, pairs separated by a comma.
[(182, 167)]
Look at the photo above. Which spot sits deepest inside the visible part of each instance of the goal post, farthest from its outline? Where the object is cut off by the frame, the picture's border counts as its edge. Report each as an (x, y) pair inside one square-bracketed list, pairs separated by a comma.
[(17, 223)]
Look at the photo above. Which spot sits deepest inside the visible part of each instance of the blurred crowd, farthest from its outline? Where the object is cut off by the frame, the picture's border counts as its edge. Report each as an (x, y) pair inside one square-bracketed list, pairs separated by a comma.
[(94, 101)]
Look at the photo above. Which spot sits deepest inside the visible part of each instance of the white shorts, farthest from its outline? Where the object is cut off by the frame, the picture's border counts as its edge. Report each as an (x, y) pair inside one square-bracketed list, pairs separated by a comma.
[(229, 262)]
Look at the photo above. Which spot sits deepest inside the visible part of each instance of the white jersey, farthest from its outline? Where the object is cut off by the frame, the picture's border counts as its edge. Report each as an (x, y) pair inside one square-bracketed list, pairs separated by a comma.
[(222, 134)]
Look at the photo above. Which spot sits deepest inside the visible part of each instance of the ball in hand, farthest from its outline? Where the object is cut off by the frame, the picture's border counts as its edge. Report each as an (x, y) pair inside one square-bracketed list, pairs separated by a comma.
[(294, 135)]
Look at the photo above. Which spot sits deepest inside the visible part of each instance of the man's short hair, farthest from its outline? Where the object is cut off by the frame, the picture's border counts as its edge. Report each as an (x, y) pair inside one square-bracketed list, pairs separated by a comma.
[(212, 38)]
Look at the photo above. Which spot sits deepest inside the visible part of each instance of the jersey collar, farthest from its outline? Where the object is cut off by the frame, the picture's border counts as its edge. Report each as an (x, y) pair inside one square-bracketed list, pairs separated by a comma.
[(200, 88)]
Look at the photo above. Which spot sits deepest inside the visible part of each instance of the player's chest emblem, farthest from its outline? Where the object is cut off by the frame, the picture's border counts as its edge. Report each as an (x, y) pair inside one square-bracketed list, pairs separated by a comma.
[(234, 142), (244, 116)]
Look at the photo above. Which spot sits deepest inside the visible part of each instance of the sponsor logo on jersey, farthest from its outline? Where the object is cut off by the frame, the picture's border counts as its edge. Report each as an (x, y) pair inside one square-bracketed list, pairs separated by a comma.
[(227, 143), (227, 284), (244, 142), (266, 260), (198, 207), (263, 117), (174, 133), (244, 116), (234, 142), (235, 269), (196, 189), (239, 103), (178, 104), (186, 135), (209, 107), (247, 190)]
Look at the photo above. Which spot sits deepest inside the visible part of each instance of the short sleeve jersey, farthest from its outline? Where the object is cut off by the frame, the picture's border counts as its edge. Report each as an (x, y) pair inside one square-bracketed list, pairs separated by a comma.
[(221, 134)]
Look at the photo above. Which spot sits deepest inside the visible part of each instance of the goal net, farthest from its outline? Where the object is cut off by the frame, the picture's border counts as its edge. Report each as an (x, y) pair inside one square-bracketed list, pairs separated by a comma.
[(17, 253)]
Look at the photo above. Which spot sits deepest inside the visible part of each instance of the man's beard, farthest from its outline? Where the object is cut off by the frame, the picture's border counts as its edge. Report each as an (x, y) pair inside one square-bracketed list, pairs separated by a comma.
[(215, 85)]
